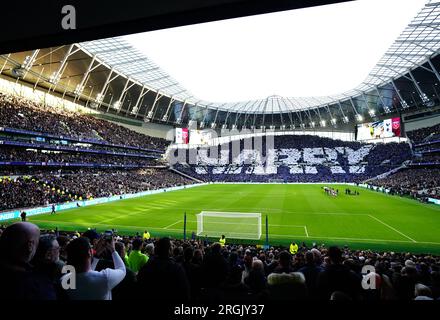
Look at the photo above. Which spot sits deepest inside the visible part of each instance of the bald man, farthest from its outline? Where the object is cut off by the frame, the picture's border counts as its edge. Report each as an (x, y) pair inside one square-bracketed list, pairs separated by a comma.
[(18, 244)]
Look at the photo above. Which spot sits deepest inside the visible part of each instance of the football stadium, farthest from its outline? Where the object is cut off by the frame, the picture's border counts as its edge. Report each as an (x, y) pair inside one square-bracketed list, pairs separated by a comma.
[(111, 165)]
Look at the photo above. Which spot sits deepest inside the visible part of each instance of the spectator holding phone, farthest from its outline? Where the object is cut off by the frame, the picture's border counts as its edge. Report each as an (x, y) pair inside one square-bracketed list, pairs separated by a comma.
[(90, 284)]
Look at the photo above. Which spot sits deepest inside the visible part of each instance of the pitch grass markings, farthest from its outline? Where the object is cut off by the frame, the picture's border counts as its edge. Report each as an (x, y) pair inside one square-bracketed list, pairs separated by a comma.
[(307, 233), (394, 229), (173, 224), (270, 235)]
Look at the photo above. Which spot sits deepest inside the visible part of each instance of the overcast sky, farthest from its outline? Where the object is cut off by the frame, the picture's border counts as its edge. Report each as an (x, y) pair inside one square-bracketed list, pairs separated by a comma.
[(308, 52)]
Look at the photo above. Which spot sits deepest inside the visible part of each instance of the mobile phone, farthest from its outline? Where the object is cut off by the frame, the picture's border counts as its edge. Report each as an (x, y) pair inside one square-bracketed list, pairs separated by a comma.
[(108, 235)]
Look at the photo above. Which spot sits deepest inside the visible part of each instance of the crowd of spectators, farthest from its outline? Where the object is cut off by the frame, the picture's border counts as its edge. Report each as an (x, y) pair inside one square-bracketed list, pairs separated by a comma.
[(420, 179), (414, 182), (44, 189), (63, 145), (20, 113), (433, 157), (426, 144), (132, 268), (424, 134), (32, 155), (295, 158)]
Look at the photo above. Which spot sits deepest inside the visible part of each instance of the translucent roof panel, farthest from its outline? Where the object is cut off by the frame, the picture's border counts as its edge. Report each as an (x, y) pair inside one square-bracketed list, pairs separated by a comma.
[(125, 59)]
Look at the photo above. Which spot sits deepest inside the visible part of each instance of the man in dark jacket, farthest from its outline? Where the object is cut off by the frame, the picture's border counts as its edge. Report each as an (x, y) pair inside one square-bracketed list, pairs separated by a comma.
[(311, 272), (18, 244), (161, 277), (337, 277)]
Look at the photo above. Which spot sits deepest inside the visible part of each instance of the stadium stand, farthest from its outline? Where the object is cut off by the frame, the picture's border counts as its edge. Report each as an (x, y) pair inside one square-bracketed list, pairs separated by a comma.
[(197, 270), (44, 189), (414, 182), (423, 135), (420, 178), (294, 158), (17, 155), (51, 156), (19, 113)]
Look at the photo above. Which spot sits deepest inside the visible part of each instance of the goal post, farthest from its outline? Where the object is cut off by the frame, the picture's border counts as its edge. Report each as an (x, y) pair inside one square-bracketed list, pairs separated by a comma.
[(235, 225)]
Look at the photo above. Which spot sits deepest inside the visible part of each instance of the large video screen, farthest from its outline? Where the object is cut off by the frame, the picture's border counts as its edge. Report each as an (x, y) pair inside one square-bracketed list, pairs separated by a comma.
[(379, 129), (200, 136)]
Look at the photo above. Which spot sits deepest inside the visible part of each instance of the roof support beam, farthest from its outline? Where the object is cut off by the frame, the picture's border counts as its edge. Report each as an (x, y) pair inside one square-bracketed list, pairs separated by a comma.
[(417, 40), (238, 114), (342, 111), (418, 44), (206, 113), (150, 113), (55, 77), (365, 101), (434, 70), (112, 50), (384, 106), (391, 66), (292, 123), (354, 108), (27, 65), (80, 87), (229, 113), (165, 116), (179, 119), (196, 106), (214, 123), (396, 54), (419, 65), (422, 95), (122, 96), (402, 101), (138, 101), (249, 110), (100, 96), (6, 61)]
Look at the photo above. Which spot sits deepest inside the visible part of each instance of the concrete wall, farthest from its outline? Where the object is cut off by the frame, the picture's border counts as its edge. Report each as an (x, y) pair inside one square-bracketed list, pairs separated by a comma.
[(151, 129)]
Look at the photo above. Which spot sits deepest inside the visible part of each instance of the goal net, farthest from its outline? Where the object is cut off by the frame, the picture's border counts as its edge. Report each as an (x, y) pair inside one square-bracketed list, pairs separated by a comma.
[(236, 225)]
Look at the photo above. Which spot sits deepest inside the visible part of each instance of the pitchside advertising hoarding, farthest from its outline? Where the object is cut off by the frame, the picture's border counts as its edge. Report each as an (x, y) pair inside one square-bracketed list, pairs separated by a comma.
[(379, 129), (182, 136)]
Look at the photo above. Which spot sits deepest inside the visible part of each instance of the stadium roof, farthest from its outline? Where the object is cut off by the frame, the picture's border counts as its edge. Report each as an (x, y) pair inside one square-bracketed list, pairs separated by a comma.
[(419, 40), (129, 61), (112, 77)]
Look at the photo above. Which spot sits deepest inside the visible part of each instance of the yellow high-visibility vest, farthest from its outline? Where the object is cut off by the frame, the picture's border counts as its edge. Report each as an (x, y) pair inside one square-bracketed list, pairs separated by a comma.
[(222, 242), (293, 248)]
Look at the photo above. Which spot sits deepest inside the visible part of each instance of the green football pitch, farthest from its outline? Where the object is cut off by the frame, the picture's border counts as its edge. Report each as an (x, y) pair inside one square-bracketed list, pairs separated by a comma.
[(296, 212)]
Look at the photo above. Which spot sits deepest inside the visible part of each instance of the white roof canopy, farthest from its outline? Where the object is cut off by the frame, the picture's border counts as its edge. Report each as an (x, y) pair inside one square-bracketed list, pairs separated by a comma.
[(419, 40)]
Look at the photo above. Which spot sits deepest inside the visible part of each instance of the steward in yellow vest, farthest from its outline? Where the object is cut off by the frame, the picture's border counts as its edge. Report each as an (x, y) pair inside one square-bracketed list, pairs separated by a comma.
[(293, 248), (222, 241)]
